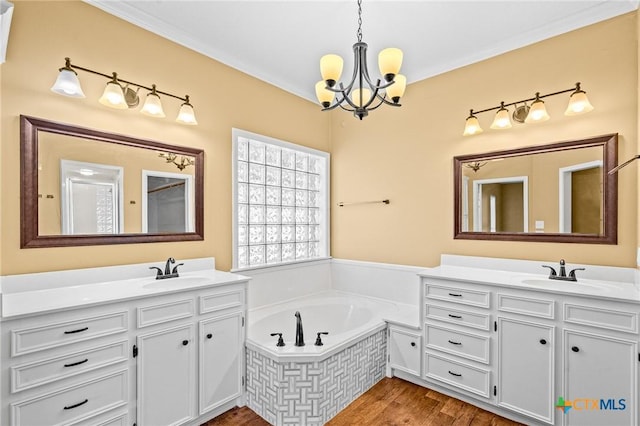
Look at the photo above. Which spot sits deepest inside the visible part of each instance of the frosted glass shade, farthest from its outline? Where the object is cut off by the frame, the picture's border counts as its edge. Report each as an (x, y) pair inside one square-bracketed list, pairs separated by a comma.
[(186, 115), (331, 68), (67, 84), (152, 106), (578, 104), (472, 126), (113, 96), (537, 112), (325, 97), (396, 90), (390, 61), (502, 120), (355, 96)]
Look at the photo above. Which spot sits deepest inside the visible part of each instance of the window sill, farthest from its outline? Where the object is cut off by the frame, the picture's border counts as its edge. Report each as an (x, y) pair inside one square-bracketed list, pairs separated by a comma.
[(282, 266)]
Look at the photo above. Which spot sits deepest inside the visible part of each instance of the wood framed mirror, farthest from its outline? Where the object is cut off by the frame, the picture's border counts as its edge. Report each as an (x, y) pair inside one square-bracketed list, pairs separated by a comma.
[(561, 192), (82, 187)]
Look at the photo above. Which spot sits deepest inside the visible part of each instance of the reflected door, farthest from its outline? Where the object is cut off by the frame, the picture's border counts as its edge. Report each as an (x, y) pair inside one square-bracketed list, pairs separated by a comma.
[(166, 202)]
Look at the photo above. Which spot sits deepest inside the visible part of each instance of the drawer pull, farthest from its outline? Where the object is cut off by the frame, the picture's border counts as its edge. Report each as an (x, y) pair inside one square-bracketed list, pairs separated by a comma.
[(455, 374), (185, 342), (69, 407), (413, 344), (543, 342), (455, 294), (209, 336), (455, 316), (575, 349), (80, 330), (73, 364), (454, 343)]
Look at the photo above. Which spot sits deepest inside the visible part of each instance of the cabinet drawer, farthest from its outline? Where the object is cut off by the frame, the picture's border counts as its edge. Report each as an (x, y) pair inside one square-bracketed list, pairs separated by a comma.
[(541, 308), (458, 295), (466, 345), (120, 420), (26, 376), (463, 376), (221, 300), (72, 404), (454, 316), (619, 319), (34, 339), (165, 312)]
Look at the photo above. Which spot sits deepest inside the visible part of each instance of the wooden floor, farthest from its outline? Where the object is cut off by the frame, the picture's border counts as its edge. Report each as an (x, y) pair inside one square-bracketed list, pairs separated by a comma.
[(390, 402)]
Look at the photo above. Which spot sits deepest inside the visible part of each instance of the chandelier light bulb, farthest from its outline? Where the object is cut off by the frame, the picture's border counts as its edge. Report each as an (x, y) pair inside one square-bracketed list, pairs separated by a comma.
[(390, 61), (359, 100), (396, 90), (537, 112), (331, 68), (325, 97)]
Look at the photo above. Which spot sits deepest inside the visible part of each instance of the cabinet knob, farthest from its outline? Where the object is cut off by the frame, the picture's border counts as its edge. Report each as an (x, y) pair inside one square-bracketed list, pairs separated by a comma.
[(209, 336), (413, 344), (543, 342), (575, 349), (185, 342)]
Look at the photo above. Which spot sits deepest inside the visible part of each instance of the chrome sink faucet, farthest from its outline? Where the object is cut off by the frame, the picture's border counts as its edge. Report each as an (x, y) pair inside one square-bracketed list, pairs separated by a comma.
[(168, 272), (562, 274)]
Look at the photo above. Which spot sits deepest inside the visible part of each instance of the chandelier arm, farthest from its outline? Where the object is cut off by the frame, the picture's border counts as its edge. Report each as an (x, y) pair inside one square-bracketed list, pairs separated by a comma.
[(371, 99), (384, 100), (335, 105), (365, 69), (375, 107)]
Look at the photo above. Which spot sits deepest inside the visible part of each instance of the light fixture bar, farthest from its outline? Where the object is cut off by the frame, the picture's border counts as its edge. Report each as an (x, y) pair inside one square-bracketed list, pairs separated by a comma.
[(133, 83), (573, 89)]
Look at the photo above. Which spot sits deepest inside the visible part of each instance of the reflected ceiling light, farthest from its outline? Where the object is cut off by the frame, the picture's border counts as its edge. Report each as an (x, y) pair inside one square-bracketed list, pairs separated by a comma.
[(67, 83), (152, 105), (113, 96), (502, 119), (117, 96), (181, 163), (472, 125), (361, 94), (536, 113), (578, 102)]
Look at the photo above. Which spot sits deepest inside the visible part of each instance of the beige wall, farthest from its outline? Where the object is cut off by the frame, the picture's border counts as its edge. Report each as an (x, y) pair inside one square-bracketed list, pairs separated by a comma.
[(405, 154), (43, 33)]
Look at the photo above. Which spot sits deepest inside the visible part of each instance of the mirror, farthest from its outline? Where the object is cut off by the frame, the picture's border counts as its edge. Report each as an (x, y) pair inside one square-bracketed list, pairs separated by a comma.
[(86, 187), (560, 192)]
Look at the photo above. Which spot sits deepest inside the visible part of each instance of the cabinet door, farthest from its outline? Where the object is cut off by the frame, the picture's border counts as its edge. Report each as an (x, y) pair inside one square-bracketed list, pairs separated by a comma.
[(526, 368), (166, 376), (221, 363), (600, 379), (404, 351)]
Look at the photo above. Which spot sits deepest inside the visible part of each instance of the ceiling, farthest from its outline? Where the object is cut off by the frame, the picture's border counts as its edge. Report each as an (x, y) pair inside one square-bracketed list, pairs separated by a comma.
[(281, 42)]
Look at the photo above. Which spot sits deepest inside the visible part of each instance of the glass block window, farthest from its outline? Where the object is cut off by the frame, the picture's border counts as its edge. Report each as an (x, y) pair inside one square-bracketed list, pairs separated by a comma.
[(280, 201)]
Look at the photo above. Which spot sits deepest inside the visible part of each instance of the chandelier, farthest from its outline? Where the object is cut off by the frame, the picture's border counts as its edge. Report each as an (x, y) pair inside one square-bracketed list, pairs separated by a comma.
[(361, 95)]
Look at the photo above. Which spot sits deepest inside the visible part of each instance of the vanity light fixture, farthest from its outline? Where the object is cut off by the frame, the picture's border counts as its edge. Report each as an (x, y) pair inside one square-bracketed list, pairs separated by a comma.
[(536, 113), (181, 164), (117, 96), (361, 95)]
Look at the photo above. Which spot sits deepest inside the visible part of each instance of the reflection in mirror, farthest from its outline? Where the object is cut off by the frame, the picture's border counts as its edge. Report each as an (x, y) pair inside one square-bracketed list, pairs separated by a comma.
[(84, 187), (559, 192)]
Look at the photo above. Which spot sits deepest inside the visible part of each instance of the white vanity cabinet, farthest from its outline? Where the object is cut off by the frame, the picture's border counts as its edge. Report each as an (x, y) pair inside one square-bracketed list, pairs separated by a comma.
[(167, 358)]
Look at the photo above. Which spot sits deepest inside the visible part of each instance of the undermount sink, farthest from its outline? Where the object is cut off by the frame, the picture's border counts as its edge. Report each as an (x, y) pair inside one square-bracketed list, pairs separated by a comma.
[(175, 282)]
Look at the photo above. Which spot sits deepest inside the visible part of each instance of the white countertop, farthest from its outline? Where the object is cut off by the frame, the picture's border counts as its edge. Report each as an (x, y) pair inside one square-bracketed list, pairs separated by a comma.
[(628, 291), (19, 303)]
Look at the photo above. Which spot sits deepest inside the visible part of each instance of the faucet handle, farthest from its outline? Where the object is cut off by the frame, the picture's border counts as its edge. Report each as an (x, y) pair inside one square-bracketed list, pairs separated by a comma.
[(175, 269), (280, 340), (572, 273), (158, 273), (552, 272), (319, 339)]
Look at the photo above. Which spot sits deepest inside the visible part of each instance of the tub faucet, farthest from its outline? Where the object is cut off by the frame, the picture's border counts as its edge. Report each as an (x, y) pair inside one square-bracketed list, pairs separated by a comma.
[(562, 274), (299, 332)]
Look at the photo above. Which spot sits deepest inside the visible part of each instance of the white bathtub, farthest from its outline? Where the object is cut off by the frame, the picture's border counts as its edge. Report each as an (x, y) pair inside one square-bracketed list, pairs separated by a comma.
[(346, 317)]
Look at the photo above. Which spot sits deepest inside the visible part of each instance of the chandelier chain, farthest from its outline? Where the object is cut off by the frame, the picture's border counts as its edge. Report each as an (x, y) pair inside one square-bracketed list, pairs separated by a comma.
[(359, 33)]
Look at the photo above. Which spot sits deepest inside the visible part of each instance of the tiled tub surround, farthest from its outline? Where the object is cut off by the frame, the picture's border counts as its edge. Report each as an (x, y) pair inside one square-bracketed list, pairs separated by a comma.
[(311, 384), (98, 346)]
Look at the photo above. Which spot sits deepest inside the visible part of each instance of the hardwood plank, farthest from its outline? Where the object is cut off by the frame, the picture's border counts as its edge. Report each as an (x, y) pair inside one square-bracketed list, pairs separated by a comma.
[(391, 402)]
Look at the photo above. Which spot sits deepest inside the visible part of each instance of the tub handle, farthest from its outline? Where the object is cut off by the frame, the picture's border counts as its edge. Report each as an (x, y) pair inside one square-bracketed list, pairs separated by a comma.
[(319, 339), (280, 340)]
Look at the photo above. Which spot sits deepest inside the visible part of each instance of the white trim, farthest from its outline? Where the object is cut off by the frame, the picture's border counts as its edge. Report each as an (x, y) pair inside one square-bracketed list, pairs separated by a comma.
[(477, 199), (282, 266), (565, 193), (6, 13)]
